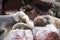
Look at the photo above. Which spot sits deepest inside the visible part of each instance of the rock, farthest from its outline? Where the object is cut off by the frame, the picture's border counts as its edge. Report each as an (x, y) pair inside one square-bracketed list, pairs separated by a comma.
[(13, 5), (19, 35), (45, 33)]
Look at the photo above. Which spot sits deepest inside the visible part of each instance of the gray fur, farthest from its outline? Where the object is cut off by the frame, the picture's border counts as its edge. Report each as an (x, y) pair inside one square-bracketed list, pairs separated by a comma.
[(6, 20)]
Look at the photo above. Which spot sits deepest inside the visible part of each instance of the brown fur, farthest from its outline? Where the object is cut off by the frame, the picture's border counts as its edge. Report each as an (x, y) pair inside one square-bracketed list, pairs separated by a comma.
[(55, 21), (50, 19), (40, 21)]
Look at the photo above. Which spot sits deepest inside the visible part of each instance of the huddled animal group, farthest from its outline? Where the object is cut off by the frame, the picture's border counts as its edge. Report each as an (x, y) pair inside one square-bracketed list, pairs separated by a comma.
[(49, 32), (20, 20), (7, 22), (47, 19)]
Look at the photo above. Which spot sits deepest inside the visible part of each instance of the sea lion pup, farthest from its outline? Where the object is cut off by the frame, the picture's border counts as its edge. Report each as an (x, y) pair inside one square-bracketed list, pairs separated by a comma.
[(40, 21), (20, 17), (21, 25), (53, 20), (49, 19), (7, 21)]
